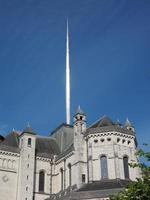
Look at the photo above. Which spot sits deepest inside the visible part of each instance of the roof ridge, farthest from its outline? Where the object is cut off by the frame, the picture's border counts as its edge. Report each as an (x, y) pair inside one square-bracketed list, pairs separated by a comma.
[(46, 137), (61, 125), (95, 121)]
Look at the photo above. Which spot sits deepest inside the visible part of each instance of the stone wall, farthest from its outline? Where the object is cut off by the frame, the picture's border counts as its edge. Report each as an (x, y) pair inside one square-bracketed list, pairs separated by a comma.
[(8, 175)]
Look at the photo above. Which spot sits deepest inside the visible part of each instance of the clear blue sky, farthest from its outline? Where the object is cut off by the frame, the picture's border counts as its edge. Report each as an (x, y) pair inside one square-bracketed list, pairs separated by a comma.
[(110, 62)]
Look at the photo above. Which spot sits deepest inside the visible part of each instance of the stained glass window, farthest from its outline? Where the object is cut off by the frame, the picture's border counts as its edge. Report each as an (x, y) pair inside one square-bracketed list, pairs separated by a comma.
[(104, 169), (62, 178), (126, 167), (41, 181), (69, 167)]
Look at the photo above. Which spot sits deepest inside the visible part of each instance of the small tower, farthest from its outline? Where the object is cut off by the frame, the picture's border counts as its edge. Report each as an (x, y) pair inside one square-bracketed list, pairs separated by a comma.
[(27, 142), (80, 175), (79, 121), (128, 125)]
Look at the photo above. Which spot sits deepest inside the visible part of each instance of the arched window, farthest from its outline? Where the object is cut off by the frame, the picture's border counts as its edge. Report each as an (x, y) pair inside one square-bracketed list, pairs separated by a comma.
[(126, 167), (41, 181), (62, 178), (29, 141), (69, 167), (104, 169)]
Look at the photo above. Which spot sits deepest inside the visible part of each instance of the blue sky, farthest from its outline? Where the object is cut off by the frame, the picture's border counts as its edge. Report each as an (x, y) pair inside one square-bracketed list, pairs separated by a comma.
[(110, 62)]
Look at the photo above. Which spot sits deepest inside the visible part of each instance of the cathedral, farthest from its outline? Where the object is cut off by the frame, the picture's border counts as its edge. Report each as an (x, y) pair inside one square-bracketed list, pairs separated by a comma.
[(74, 162)]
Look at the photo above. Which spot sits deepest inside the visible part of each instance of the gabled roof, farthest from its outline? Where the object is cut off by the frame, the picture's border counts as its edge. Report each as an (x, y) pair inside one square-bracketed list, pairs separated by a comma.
[(63, 135), (62, 125), (65, 152)]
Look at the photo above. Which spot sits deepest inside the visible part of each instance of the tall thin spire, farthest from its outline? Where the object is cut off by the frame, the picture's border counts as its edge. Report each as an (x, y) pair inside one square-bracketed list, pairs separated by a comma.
[(67, 78)]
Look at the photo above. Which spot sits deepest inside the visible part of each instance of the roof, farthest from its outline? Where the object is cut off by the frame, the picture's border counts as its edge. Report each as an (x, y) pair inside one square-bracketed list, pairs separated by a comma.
[(1, 138), (29, 130), (128, 123), (63, 135), (105, 124), (60, 126), (79, 111), (10, 143), (109, 129), (104, 121), (65, 152), (94, 190), (46, 147), (105, 184)]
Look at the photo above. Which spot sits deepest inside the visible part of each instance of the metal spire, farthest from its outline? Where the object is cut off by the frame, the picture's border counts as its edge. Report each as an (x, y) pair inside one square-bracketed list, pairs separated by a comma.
[(67, 78)]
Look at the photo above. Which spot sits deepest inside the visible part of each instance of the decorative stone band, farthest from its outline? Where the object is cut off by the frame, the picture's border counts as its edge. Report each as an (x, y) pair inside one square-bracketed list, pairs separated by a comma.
[(43, 159), (97, 134), (9, 153)]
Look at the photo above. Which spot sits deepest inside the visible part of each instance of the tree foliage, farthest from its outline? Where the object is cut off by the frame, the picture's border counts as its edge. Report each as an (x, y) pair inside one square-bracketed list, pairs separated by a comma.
[(140, 189)]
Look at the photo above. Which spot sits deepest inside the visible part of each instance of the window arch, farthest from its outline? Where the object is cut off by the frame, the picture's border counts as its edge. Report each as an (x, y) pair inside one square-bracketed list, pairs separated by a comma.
[(70, 174), (41, 181), (29, 141), (126, 167), (104, 169), (62, 178)]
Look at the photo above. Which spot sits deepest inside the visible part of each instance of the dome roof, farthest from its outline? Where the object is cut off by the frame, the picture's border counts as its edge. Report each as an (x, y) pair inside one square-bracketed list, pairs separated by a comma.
[(104, 121)]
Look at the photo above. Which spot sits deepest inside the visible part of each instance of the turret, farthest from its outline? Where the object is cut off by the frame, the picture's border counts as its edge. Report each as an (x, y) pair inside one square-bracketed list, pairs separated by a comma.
[(27, 141), (128, 125), (80, 148), (79, 121)]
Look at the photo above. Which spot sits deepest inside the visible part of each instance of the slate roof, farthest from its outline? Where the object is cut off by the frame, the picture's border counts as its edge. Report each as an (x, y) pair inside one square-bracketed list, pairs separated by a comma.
[(104, 121), (94, 190), (105, 184), (105, 124), (65, 152), (46, 147), (1, 138), (109, 129), (63, 135), (10, 143)]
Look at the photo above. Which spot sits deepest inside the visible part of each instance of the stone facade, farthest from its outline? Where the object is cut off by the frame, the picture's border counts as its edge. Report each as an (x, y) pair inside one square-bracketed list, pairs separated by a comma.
[(74, 162)]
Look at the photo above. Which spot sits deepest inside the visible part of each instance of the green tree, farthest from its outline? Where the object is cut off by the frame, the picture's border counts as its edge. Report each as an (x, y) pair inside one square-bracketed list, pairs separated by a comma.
[(140, 189)]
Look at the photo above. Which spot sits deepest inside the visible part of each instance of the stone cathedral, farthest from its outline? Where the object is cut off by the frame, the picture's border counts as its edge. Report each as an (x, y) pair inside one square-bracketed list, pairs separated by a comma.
[(75, 162)]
